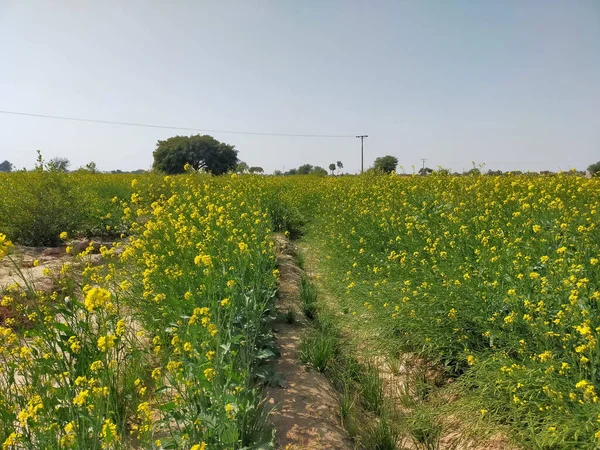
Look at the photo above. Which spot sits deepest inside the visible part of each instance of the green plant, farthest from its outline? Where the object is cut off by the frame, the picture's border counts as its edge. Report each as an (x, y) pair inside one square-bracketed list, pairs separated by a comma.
[(318, 348), (308, 295)]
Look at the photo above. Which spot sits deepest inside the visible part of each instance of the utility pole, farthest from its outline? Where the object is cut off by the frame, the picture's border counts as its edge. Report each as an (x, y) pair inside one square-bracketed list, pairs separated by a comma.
[(362, 138), (423, 169)]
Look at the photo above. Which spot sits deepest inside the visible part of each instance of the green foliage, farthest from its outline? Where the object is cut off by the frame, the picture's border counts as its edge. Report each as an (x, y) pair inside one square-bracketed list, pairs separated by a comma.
[(241, 167), (35, 207), (332, 167), (319, 171), (200, 152), (386, 164), (308, 295), (318, 348), (256, 169), (58, 164), (6, 166), (594, 169), (305, 169)]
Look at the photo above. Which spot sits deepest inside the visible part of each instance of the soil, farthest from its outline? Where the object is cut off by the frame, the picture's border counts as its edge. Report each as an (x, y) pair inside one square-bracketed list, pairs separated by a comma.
[(51, 258), (306, 410)]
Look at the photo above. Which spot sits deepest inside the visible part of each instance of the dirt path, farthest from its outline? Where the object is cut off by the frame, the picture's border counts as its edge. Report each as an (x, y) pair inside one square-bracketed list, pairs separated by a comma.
[(306, 413)]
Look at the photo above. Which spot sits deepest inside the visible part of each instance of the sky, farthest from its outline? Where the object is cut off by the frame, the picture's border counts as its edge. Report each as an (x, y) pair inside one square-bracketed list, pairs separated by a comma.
[(514, 85)]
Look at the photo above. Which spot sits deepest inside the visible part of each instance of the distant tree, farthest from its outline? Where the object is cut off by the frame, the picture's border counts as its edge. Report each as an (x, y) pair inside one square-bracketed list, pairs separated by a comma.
[(593, 169), (6, 166), (256, 169), (317, 170), (442, 171), (200, 152), (386, 164), (339, 165), (241, 167), (494, 173), (58, 164), (332, 167), (425, 171), (291, 172), (474, 171), (277, 173), (305, 169), (89, 167)]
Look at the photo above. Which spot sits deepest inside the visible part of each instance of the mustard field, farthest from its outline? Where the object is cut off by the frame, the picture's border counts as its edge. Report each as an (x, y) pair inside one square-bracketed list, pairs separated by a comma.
[(164, 341)]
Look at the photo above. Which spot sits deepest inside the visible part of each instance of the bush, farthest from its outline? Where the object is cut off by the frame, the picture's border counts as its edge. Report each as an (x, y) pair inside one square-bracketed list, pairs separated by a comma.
[(35, 207)]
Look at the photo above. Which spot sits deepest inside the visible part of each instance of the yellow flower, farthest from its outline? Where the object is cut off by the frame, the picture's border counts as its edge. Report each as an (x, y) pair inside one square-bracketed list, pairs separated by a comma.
[(96, 298), (225, 302), (64, 235), (80, 399), (202, 445), (109, 433), (209, 373), (106, 342), (203, 260)]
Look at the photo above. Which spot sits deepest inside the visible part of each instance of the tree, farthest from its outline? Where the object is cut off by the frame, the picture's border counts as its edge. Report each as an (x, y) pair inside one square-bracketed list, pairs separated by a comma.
[(425, 171), (305, 169), (340, 166), (90, 167), (317, 170), (386, 164), (291, 172), (256, 169), (200, 152), (241, 167), (474, 171), (277, 173), (58, 164), (594, 169), (332, 167), (6, 166)]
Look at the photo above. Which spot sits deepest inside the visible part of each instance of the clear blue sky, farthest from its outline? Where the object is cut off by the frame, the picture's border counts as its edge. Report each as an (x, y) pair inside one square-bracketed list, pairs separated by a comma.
[(513, 84)]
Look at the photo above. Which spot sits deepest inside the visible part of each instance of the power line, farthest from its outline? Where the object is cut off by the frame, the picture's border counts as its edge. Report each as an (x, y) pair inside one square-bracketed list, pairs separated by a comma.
[(167, 127)]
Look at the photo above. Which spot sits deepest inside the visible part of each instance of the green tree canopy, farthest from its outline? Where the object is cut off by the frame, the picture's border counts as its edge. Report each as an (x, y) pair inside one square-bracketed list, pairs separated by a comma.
[(199, 151), (241, 167), (256, 169), (318, 170), (594, 169), (386, 164), (6, 166), (305, 169), (332, 167)]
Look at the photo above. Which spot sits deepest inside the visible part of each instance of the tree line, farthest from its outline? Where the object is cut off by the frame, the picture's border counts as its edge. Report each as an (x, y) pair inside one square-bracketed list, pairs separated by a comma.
[(198, 152)]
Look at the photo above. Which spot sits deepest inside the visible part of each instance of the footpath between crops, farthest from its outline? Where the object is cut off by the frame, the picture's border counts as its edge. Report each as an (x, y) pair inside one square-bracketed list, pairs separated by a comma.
[(305, 406)]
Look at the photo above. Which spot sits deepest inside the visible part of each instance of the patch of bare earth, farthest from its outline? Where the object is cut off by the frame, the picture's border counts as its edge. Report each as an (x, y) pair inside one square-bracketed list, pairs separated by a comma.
[(20, 264), (305, 413)]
